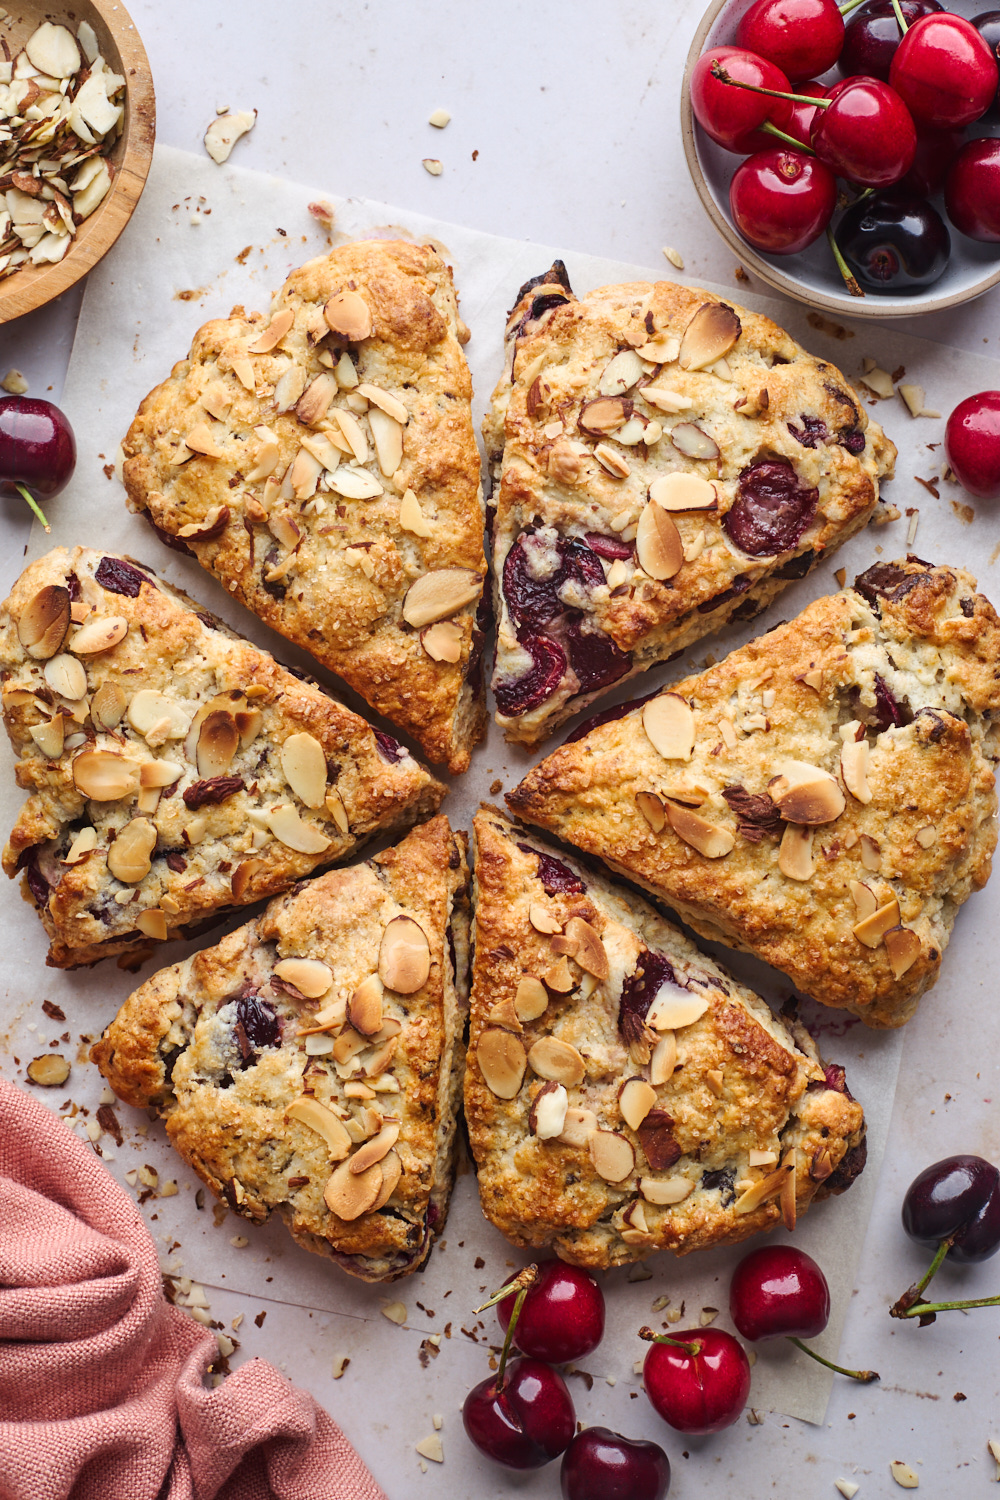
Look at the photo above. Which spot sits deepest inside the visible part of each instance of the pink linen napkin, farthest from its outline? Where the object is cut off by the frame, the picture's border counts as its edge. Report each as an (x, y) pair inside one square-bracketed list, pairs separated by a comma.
[(102, 1383)]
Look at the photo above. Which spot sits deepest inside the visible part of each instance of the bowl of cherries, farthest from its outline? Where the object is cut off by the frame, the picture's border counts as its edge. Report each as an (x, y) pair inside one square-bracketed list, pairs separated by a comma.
[(850, 152)]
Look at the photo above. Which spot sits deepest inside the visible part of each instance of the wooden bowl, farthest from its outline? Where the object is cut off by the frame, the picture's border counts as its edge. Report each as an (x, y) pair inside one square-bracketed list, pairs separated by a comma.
[(121, 48), (811, 276)]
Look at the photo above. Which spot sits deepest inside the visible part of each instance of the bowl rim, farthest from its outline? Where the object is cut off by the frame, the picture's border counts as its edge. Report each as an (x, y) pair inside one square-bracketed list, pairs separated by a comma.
[(855, 307), (17, 296)]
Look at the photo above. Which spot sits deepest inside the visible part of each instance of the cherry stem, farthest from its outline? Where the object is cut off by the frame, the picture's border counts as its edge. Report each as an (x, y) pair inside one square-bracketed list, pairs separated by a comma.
[(719, 72), (789, 139), (520, 1287), (927, 1309), (900, 17), (664, 1338), (865, 1376), (32, 502), (842, 266), (845, 10), (912, 1295)]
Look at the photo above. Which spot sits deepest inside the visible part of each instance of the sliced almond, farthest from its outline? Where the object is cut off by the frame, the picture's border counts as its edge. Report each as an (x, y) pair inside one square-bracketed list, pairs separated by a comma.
[(652, 810), (503, 1014), (588, 949), (364, 1008), (381, 1058), (542, 919), (153, 922), (693, 442), (411, 517), (662, 350), (551, 1058), (665, 1190), (578, 1127), (201, 439), (635, 1101), (658, 544), (502, 1061), (787, 1196), (348, 1044), (673, 1008), (289, 388), (873, 929), (716, 1080), (304, 765), (107, 705), (129, 855), (325, 1123), (314, 403), (159, 773), (865, 901), (621, 374), (611, 1154), (348, 313), (709, 336), (664, 399), (669, 724), (82, 845), (303, 478), (436, 595), (603, 415), (334, 804), (310, 976), (267, 456), (349, 1194), (375, 1149), (443, 641), (355, 484), (612, 460), (903, 947), (854, 759), (387, 435), (66, 676), (795, 854), (634, 1216), (289, 829), (871, 854), (391, 405), (926, 836), (392, 1171), (147, 709), (663, 1060), (218, 742), (905, 1477), (558, 977), (804, 793), (99, 635), (49, 1071), (708, 838), (682, 492), (104, 776), (275, 331), (50, 737), (547, 1115), (760, 1192), (404, 956), (352, 432), (532, 998)]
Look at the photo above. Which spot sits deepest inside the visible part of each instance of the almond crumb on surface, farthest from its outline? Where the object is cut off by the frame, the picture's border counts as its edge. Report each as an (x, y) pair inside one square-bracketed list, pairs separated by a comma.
[(841, 576), (439, 118), (431, 1447), (234, 1325), (323, 213), (14, 383), (903, 1475), (432, 165), (674, 256), (846, 1487), (438, 1421), (169, 1189), (224, 131), (395, 1312), (754, 1418), (963, 512), (340, 1365), (879, 382), (708, 1315), (239, 1242)]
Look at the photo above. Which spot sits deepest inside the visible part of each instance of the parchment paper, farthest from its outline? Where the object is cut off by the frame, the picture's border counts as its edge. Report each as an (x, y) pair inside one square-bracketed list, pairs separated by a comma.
[(204, 238)]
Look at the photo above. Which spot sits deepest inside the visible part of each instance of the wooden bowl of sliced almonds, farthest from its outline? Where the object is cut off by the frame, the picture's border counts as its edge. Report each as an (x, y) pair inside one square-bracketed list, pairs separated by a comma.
[(77, 123)]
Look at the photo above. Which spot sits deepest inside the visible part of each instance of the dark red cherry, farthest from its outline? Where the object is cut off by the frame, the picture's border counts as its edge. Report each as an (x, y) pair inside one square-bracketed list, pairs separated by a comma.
[(732, 117), (594, 657), (866, 133), (945, 71), (803, 115), (972, 190), (37, 449), (972, 444), (988, 26), (777, 1292), (894, 242), (562, 1317), (936, 150), (528, 1422), (639, 991), (801, 37), (602, 1465), (259, 1024), (956, 1198), (537, 568), (610, 547), (781, 200), (772, 511), (702, 1386), (548, 665), (873, 35)]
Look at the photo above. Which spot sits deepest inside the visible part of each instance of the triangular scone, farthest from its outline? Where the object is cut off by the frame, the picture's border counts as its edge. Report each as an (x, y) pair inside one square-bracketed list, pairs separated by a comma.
[(175, 770), (322, 464), (625, 1094), (663, 462), (312, 1061), (823, 797)]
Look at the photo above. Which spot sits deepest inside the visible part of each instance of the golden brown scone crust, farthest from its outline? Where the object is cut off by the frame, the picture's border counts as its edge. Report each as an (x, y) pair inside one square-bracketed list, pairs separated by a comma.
[(925, 838), (550, 487), (744, 1081), (172, 1046), (327, 571), (209, 856)]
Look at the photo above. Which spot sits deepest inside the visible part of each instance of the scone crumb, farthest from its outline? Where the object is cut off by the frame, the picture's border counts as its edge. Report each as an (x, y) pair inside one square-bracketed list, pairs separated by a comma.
[(340, 1365), (496, 787), (322, 212), (395, 1312), (433, 166), (432, 1448)]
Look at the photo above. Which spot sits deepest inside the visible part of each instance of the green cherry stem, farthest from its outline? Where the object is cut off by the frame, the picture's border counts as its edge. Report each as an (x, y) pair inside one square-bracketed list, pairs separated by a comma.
[(927, 1309), (900, 17), (845, 10), (913, 1294), (865, 1376), (789, 140), (664, 1338), (520, 1286), (719, 72), (842, 266), (32, 502)]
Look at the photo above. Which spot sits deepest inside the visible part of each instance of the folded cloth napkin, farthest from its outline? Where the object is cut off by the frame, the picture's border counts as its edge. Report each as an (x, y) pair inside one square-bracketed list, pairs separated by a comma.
[(102, 1384)]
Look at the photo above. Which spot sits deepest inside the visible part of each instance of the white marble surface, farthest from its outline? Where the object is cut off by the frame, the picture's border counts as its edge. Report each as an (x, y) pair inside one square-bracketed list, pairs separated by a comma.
[(573, 111)]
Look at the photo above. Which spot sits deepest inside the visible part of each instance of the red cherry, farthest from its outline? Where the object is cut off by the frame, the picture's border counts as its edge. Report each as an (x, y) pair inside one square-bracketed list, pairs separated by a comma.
[(936, 150), (865, 133), (603, 1465), (972, 190), (37, 450), (525, 1423), (944, 71), (731, 117), (778, 1291), (972, 444), (801, 37), (782, 200), (562, 1317), (699, 1381), (804, 115)]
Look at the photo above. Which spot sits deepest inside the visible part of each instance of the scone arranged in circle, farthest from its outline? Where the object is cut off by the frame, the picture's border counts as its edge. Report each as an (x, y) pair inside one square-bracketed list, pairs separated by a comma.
[(321, 463), (312, 1061), (663, 462), (823, 798), (174, 770), (624, 1094)]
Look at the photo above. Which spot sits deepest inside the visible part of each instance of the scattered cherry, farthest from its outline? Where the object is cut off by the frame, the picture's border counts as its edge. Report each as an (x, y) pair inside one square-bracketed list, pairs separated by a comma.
[(988, 26), (936, 150), (780, 1292), (781, 200), (944, 71), (732, 117), (972, 190), (37, 450), (952, 1206), (602, 1465), (972, 447), (801, 37), (698, 1381), (873, 34), (803, 115), (562, 1317), (894, 242)]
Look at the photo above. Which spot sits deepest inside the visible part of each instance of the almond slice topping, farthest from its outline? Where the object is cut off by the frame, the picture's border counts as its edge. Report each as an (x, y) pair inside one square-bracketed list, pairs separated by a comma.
[(436, 595), (104, 776), (532, 998), (865, 901), (352, 431), (903, 947), (387, 435), (795, 854), (551, 1058), (652, 810), (557, 977), (708, 838), (404, 957), (44, 622), (663, 399), (669, 724), (578, 1127), (805, 794), (612, 460), (201, 439), (603, 415), (267, 457), (768, 1187), (349, 1194), (411, 517), (658, 543), (443, 641), (374, 1150), (334, 804), (787, 1196), (273, 333), (635, 1101), (680, 492), (148, 709), (348, 313), (854, 759), (107, 706), (709, 336), (663, 1060), (153, 922), (542, 919), (50, 737), (325, 1123), (588, 949), (66, 676), (310, 976), (673, 1008), (364, 1008), (355, 484), (385, 402), (547, 1115), (314, 403), (159, 773), (871, 854), (129, 855), (99, 635), (85, 841), (611, 1154), (502, 1061), (665, 1190), (218, 742), (873, 929), (621, 374), (289, 829), (304, 765), (694, 442), (392, 1171), (503, 1014)]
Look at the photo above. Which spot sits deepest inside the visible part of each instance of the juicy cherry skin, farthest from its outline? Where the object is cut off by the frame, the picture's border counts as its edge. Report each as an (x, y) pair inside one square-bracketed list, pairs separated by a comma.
[(801, 37), (562, 1316), (804, 115), (944, 71), (527, 1424), (37, 446), (602, 1465), (958, 1196), (894, 242), (720, 109), (972, 190), (988, 26), (781, 200), (873, 35), (866, 135), (702, 1392), (972, 447), (936, 150), (779, 1292)]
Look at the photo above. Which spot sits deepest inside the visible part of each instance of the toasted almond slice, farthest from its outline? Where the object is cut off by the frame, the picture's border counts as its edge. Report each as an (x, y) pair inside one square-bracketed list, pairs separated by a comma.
[(502, 1061), (289, 829), (787, 1196), (590, 952), (603, 415), (105, 776), (664, 399), (683, 492), (612, 460), (905, 1477), (708, 838), (375, 1149), (865, 900), (314, 403), (348, 313), (436, 595), (325, 1123), (854, 759), (129, 855), (652, 810), (404, 956), (665, 1190), (621, 374), (303, 478), (349, 1194), (304, 765), (635, 1217), (658, 543), (85, 841), (762, 1158), (662, 350), (98, 635), (903, 947), (669, 724), (218, 742), (504, 1014), (44, 622), (716, 1080), (873, 929), (352, 431), (289, 388), (153, 922), (694, 442), (387, 435), (391, 405), (673, 1008), (149, 708), (334, 804), (551, 1058), (542, 919), (578, 1127), (443, 641), (50, 737), (635, 1099), (532, 998), (355, 484), (275, 331), (663, 1059), (925, 837), (547, 1115), (267, 457), (159, 773), (611, 1154), (348, 1044), (364, 1008), (382, 1057), (760, 1192), (392, 1170), (49, 1071), (709, 336), (411, 517), (333, 1014), (804, 793), (871, 854), (558, 978), (108, 704), (66, 676), (795, 854), (201, 439), (310, 976)]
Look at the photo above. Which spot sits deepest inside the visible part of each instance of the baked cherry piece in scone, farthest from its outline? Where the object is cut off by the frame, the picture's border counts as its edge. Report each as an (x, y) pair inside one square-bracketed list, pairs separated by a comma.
[(312, 1061), (174, 770), (321, 463), (823, 797), (662, 463), (623, 1093)]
